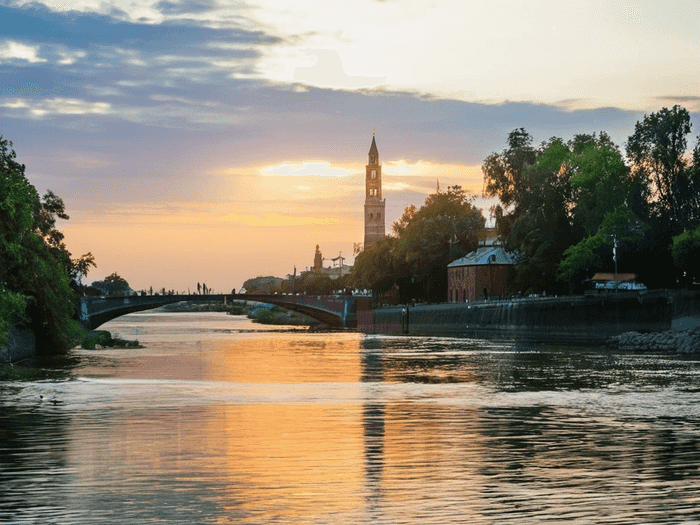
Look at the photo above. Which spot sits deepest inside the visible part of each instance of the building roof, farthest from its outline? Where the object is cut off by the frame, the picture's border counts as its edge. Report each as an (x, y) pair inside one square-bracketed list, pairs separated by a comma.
[(488, 254), (621, 277), (373, 148)]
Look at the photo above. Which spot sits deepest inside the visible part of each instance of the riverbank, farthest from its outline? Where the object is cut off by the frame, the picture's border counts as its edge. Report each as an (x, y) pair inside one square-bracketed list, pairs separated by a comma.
[(21, 344), (575, 320), (668, 341)]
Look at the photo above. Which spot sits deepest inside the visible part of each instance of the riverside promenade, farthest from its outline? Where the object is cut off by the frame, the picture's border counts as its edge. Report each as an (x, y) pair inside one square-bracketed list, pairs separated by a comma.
[(589, 319)]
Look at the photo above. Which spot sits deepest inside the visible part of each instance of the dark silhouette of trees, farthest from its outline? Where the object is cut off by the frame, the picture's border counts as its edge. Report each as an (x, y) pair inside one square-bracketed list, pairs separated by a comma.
[(37, 274), (424, 241), (657, 152), (564, 204)]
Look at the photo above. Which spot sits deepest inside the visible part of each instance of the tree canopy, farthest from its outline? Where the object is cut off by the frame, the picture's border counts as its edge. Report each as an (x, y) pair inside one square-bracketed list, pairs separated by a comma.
[(424, 241), (37, 274), (564, 204)]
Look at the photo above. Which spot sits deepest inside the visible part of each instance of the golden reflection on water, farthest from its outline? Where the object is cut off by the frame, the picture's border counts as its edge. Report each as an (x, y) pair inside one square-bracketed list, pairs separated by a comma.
[(203, 426), (285, 359), (307, 459)]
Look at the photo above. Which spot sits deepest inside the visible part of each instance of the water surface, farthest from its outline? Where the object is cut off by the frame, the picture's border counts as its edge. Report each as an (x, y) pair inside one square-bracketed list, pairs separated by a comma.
[(218, 420)]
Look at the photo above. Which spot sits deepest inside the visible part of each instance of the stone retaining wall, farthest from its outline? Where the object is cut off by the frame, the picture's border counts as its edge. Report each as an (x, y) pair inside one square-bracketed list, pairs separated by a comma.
[(567, 320), (669, 341), (21, 344)]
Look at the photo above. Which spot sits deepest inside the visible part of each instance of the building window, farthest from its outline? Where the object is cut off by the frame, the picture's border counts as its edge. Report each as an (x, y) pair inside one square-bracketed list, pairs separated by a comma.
[(379, 216), (371, 216), (374, 174)]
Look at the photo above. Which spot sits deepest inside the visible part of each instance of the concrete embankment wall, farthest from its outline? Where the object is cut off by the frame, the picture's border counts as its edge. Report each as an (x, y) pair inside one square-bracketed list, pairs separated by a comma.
[(21, 344), (686, 309), (570, 320)]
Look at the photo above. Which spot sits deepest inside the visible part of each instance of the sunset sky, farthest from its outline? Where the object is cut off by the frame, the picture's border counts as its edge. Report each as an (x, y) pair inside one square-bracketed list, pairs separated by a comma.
[(213, 141)]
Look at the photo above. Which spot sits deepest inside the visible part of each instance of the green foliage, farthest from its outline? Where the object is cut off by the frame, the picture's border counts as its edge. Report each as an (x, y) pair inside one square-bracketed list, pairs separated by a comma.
[(376, 269), (96, 337), (539, 222), (601, 182), (425, 240), (13, 306), (113, 284), (657, 152), (319, 284), (34, 262), (686, 251), (104, 339), (11, 372), (595, 252), (565, 201)]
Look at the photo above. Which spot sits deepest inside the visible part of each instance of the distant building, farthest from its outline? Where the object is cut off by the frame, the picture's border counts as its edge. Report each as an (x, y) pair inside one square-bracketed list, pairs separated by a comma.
[(482, 273), (374, 204), (605, 282), (318, 259)]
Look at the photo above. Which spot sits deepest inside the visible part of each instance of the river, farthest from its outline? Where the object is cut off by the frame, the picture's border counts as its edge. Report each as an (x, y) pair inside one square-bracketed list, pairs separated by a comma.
[(218, 420)]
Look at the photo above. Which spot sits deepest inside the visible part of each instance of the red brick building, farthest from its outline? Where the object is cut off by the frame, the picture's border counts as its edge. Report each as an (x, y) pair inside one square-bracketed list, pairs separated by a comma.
[(480, 274)]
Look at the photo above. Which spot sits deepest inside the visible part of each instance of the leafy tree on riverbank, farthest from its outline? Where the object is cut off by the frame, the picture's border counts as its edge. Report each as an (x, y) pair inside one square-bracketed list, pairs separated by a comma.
[(35, 266), (564, 204), (113, 284), (425, 240)]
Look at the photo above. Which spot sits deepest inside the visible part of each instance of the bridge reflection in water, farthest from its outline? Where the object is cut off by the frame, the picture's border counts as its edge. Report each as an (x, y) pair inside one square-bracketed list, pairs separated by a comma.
[(333, 310)]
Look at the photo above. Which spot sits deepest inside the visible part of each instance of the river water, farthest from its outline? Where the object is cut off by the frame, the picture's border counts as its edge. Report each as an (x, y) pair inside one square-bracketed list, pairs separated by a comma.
[(218, 420)]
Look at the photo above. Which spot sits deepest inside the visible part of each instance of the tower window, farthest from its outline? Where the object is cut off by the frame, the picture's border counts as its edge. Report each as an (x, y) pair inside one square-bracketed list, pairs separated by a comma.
[(371, 216), (379, 216), (374, 174)]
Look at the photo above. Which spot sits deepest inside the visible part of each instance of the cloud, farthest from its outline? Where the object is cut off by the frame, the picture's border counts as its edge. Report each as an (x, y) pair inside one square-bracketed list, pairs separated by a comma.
[(185, 7), (306, 169), (56, 106), (10, 50), (276, 220), (328, 71)]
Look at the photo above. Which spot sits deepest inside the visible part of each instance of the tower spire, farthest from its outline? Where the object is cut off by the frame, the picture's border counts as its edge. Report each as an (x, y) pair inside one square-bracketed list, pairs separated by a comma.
[(373, 151), (374, 204)]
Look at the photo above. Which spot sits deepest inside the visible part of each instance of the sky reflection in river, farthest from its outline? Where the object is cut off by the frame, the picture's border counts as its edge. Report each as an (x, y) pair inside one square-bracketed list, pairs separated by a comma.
[(214, 422)]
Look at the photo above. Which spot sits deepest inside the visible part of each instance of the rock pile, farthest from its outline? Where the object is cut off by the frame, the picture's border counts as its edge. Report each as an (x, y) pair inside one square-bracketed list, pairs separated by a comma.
[(678, 341)]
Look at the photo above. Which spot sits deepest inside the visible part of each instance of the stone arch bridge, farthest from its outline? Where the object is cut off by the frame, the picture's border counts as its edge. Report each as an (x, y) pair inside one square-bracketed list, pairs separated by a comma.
[(333, 310)]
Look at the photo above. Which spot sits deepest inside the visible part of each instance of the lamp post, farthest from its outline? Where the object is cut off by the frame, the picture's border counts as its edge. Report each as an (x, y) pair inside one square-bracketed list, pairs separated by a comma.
[(615, 259)]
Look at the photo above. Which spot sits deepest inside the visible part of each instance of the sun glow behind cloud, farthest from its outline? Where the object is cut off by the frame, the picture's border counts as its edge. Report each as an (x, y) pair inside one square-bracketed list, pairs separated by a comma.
[(305, 169), (276, 220)]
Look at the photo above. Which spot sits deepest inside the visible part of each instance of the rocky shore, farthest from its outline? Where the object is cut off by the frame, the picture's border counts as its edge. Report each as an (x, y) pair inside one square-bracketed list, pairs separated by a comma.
[(669, 341)]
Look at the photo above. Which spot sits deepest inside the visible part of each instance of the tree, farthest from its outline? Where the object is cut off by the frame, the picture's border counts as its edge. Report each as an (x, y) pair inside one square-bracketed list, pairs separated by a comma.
[(113, 284), (376, 268), (429, 238), (34, 264), (608, 202), (657, 151), (686, 252), (504, 176), (538, 221), (424, 241)]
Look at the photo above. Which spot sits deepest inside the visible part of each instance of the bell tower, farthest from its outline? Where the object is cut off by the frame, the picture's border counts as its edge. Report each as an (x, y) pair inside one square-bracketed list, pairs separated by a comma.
[(374, 204)]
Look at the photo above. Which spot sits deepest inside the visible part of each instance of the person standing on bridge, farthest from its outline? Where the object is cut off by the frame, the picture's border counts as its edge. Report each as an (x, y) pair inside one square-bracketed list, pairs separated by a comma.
[(199, 288)]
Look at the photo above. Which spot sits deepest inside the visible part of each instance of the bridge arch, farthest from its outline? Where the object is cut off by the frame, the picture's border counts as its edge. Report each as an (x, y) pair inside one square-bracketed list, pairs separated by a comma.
[(328, 309)]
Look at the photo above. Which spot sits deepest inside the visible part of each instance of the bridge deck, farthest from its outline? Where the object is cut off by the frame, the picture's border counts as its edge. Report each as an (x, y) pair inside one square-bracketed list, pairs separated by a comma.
[(333, 310)]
